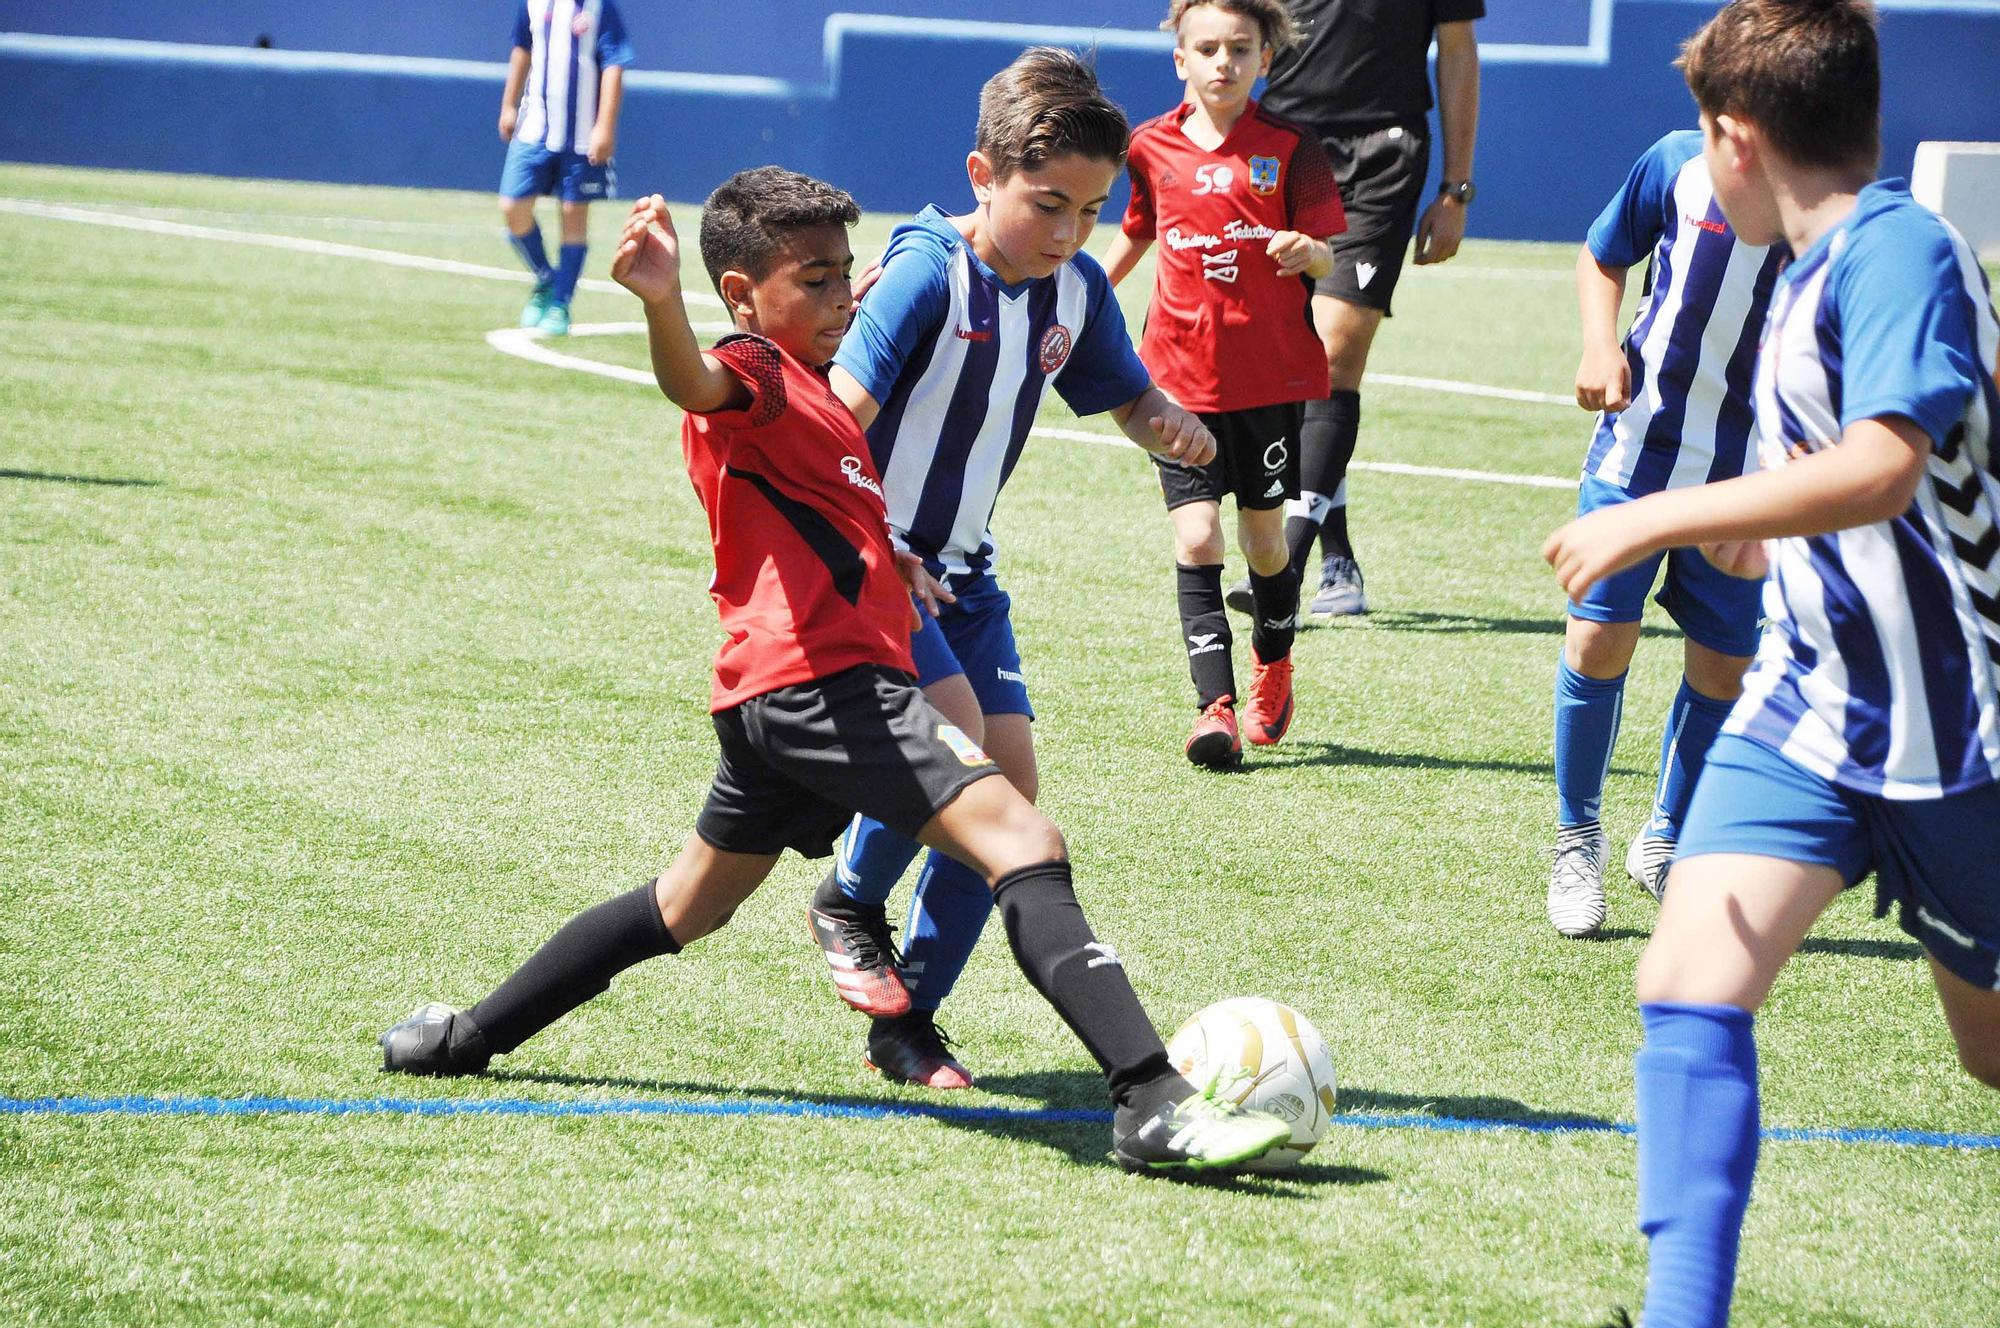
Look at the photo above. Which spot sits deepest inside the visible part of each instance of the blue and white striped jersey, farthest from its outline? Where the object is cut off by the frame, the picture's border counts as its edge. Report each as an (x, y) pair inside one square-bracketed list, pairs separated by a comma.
[(570, 42), (960, 362), (1878, 667), (1694, 340)]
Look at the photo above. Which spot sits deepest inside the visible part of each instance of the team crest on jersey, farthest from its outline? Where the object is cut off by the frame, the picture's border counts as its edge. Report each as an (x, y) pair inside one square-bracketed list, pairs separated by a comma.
[(964, 748), (1055, 348), (1264, 174)]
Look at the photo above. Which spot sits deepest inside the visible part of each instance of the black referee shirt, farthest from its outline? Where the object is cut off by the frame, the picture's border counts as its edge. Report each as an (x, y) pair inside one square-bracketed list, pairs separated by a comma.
[(1362, 65)]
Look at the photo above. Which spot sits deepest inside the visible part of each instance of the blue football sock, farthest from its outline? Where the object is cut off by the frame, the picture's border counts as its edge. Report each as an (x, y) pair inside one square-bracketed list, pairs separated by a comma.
[(946, 915), (1587, 715), (529, 247), (569, 266), (1691, 728), (870, 859), (1697, 1081)]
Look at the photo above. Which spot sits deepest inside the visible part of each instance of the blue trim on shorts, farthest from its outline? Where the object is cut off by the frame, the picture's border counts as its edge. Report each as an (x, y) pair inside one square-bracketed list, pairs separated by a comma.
[(1711, 607), (1932, 857), (531, 171), (975, 637)]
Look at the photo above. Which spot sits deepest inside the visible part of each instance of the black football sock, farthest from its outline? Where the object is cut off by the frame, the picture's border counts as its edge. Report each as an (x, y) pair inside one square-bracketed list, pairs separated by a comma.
[(1205, 631), (1277, 601), (1302, 522), (1326, 447), (572, 966), (1082, 977)]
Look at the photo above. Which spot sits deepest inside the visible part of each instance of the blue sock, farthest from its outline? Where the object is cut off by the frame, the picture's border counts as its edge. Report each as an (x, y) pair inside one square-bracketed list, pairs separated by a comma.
[(946, 915), (1587, 715), (529, 247), (870, 859), (568, 268), (1697, 1081), (1691, 728)]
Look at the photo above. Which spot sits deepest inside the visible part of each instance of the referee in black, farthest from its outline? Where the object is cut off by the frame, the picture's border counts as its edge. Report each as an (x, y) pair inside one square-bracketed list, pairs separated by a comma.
[(1361, 80)]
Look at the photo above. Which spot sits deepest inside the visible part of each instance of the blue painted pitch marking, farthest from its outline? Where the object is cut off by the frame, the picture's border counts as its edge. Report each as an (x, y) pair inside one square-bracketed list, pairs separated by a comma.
[(458, 1106)]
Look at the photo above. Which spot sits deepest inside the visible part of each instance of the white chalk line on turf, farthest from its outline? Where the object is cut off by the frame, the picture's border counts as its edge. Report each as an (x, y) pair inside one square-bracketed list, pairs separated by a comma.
[(528, 344), (299, 244)]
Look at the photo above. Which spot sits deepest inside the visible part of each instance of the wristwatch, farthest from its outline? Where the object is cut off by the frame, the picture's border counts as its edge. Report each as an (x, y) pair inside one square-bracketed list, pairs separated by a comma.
[(1461, 190)]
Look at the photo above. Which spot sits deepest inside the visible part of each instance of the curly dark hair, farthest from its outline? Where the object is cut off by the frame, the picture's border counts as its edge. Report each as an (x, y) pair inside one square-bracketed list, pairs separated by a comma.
[(744, 221)]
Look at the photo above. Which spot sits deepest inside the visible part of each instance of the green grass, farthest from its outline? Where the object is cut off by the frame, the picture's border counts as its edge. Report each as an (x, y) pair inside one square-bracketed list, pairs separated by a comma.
[(342, 658)]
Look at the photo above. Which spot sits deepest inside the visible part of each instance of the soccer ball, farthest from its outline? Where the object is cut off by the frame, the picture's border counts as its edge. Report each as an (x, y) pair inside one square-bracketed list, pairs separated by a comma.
[(1281, 1064)]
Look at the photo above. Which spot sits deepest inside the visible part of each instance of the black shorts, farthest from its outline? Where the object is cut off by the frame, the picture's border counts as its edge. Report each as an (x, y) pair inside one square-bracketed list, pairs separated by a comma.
[(1381, 177), (1256, 459), (797, 763)]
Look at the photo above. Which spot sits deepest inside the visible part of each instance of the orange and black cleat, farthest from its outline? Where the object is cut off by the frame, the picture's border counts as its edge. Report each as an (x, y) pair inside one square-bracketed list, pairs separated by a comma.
[(1214, 742), (860, 951), (1269, 713)]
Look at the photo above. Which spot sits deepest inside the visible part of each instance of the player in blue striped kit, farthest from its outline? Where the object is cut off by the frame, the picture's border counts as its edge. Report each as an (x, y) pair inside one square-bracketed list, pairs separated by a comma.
[(1868, 735), (1675, 403), (559, 118), (974, 320)]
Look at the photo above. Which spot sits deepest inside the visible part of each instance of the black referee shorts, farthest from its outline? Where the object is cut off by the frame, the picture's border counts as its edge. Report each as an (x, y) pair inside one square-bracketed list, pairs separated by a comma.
[(1381, 177), (1256, 459), (798, 762)]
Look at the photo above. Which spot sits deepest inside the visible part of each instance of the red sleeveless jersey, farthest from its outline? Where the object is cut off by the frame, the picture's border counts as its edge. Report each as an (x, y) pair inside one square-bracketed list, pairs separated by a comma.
[(805, 576), (1227, 330)]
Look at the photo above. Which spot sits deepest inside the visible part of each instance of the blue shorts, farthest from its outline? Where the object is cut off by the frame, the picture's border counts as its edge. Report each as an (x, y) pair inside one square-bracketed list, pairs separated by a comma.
[(1934, 859), (1713, 608), (974, 637), (532, 170)]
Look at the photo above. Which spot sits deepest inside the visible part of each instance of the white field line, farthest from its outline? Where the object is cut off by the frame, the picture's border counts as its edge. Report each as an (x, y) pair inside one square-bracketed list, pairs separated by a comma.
[(524, 344), (528, 344), (296, 244)]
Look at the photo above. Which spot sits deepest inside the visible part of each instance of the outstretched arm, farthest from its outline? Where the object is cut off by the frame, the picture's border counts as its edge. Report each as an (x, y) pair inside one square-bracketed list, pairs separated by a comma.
[(1161, 425), (648, 263), (1871, 476)]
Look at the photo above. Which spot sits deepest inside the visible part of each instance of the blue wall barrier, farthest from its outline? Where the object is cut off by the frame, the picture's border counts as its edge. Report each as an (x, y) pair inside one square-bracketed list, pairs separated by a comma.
[(891, 120)]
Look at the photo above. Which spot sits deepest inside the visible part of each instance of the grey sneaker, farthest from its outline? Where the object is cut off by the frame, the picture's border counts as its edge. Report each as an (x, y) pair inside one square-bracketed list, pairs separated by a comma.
[(1340, 594), (1576, 884), (1646, 863), (1239, 598)]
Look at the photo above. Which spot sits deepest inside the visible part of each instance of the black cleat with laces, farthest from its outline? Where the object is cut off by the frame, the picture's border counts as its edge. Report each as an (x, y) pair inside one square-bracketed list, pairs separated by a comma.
[(435, 1039), (1204, 1131), (860, 950), (912, 1049)]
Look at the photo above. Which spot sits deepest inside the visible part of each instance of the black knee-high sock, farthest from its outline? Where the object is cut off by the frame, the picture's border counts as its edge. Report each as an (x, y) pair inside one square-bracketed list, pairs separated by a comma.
[(1277, 602), (572, 966), (1205, 630), (1343, 426), (1082, 977)]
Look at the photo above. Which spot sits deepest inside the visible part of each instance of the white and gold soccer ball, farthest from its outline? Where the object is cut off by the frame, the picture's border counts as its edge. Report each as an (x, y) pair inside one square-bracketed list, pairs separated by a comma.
[(1276, 1059)]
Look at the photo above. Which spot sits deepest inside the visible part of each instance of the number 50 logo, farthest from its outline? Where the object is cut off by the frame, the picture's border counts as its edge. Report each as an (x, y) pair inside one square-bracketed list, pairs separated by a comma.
[(1213, 179)]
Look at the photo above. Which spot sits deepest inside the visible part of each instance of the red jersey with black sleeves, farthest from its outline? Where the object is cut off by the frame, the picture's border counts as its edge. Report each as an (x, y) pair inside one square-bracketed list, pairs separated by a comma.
[(805, 576), (1227, 330)]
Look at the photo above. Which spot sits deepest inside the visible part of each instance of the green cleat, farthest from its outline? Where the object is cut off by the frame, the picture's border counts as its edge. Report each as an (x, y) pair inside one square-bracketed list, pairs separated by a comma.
[(555, 322), (1205, 1131), (537, 306)]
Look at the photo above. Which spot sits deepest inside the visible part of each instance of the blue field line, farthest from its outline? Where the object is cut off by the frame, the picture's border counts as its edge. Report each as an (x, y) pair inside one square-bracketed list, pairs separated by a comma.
[(143, 1105)]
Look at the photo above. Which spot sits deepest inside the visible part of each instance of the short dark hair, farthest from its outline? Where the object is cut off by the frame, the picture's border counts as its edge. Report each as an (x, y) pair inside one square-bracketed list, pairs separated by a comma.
[(744, 221), (1807, 73), (1275, 23), (1048, 104)]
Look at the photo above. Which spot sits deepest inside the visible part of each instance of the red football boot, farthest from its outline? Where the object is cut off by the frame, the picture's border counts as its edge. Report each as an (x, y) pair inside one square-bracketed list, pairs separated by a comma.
[(1269, 713), (860, 952), (1214, 742), (914, 1050)]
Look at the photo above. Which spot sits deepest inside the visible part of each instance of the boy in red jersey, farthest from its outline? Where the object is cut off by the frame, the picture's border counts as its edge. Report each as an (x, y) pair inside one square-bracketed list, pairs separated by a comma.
[(1243, 202), (813, 698)]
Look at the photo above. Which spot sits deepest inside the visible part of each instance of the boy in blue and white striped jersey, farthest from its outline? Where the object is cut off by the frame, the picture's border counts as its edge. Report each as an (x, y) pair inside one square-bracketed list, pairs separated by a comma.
[(1868, 735), (1675, 403), (975, 318), (559, 118)]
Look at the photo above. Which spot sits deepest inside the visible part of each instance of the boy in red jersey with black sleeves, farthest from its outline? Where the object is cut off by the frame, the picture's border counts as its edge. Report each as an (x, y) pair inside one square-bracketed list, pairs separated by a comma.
[(814, 702), (1241, 202)]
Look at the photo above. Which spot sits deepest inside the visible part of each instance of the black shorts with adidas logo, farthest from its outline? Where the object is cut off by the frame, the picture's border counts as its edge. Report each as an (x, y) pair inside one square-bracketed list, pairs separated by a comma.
[(1256, 460)]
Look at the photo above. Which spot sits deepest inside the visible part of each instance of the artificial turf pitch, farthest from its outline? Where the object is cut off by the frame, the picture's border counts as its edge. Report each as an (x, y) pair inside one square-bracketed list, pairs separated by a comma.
[(342, 658)]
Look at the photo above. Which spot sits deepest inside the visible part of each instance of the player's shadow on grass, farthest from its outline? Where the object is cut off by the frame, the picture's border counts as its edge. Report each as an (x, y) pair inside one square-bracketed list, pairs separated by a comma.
[(1412, 620), (101, 480), (1449, 1110), (1086, 1142), (1313, 751), (1848, 947)]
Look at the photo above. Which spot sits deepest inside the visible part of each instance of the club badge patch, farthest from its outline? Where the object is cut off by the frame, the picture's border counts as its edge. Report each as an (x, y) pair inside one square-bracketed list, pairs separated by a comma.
[(1055, 348), (964, 748), (1264, 174)]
